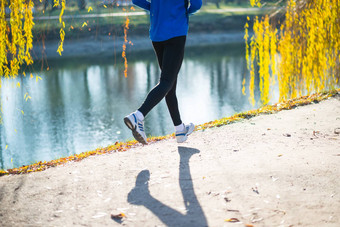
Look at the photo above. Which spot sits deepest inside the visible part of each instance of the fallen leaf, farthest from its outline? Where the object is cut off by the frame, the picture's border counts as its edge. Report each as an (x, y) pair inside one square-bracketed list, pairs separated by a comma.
[(287, 135), (229, 210), (227, 200), (232, 220), (255, 190), (315, 133), (249, 225), (118, 216)]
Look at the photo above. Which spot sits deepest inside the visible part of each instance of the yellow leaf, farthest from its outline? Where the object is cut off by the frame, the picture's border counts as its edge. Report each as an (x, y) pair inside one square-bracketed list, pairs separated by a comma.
[(56, 3), (105, 6), (84, 24), (6, 147), (243, 86), (18, 84), (22, 112), (37, 78), (118, 216), (31, 75), (89, 9), (15, 130), (232, 220)]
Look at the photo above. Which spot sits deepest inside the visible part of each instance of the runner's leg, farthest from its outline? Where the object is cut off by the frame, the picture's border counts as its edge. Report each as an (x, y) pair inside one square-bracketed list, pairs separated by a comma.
[(170, 56)]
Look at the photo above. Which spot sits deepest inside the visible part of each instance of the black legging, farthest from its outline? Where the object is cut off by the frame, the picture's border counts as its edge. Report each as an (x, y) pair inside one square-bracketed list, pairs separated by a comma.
[(170, 56)]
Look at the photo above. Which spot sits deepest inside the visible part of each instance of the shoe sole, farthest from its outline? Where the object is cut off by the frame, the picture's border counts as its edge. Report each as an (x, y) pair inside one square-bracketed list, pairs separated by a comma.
[(184, 138), (135, 134)]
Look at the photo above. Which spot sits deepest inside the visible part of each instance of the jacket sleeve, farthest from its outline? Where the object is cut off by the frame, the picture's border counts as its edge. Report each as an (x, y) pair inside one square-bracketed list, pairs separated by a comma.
[(142, 4), (195, 5)]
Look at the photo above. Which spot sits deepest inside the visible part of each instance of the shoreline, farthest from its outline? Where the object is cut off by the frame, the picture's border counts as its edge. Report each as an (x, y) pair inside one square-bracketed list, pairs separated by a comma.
[(106, 45), (124, 146)]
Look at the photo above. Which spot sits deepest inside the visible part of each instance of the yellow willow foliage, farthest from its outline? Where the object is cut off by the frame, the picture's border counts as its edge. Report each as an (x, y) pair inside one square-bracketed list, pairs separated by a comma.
[(126, 27), (62, 31), (28, 25), (16, 39), (17, 43), (16, 36), (255, 2), (304, 57), (3, 41)]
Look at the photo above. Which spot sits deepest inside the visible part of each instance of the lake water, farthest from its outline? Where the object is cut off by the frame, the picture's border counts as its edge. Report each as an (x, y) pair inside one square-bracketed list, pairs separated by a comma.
[(79, 104)]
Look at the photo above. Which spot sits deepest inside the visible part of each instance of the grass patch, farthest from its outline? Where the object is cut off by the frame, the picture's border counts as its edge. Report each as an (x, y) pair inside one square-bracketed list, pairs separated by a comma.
[(124, 146)]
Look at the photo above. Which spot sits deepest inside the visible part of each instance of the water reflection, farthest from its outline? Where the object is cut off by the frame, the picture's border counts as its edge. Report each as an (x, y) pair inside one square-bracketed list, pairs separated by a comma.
[(80, 103)]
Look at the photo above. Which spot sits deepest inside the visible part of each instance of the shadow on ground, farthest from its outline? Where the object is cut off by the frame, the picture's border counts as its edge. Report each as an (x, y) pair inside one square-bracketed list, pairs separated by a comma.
[(140, 195)]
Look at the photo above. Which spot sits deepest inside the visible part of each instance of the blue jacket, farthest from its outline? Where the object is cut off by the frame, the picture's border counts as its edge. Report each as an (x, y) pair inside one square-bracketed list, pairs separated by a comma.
[(168, 18)]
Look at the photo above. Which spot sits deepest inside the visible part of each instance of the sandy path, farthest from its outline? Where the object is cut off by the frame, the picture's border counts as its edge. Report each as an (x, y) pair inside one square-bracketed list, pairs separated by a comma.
[(251, 170)]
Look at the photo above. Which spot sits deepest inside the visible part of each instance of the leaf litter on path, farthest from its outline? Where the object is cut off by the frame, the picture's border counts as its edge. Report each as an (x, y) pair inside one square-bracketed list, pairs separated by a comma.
[(233, 220), (118, 216)]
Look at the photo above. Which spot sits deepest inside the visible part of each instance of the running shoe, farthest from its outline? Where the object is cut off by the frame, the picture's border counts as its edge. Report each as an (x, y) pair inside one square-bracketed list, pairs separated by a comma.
[(136, 126), (182, 136)]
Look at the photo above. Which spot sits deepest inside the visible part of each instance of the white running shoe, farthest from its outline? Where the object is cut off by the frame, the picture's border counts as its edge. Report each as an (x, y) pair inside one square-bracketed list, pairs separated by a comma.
[(136, 126), (182, 136)]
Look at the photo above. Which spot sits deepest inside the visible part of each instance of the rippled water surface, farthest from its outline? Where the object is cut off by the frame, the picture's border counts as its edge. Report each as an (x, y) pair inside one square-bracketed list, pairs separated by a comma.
[(79, 104)]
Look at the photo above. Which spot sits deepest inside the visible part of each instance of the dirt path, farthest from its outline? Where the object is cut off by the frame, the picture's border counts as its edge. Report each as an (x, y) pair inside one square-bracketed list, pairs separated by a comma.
[(272, 170)]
